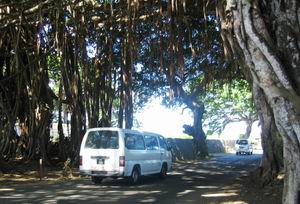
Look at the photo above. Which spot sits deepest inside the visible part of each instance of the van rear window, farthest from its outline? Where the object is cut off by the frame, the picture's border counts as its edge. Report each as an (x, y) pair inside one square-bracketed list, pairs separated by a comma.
[(103, 139)]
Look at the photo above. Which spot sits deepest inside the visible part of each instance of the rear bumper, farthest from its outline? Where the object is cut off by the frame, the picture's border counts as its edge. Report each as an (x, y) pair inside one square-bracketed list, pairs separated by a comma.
[(101, 173), (244, 150)]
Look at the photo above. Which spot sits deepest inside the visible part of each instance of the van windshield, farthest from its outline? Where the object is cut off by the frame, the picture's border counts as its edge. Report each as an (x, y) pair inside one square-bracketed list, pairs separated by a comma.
[(242, 142), (104, 139)]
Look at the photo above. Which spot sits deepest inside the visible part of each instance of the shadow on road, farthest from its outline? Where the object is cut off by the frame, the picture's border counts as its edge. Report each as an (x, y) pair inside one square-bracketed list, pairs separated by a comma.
[(218, 180)]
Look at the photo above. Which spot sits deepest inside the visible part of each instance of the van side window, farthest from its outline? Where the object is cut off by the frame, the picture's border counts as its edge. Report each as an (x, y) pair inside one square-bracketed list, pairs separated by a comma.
[(151, 142), (162, 143), (134, 141), (102, 140)]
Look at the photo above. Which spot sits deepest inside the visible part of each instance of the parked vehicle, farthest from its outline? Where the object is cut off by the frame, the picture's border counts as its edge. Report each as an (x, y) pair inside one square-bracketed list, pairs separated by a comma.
[(243, 146), (115, 152)]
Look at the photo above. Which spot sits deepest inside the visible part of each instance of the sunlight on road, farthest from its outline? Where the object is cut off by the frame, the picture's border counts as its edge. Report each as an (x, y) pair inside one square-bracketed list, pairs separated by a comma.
[(184, 193), (206, 187), (219, 195), (7, 189)]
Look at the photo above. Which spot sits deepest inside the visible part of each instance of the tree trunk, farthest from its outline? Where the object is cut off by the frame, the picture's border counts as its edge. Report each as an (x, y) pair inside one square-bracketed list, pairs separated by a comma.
[(199, 133), (121, 95), (129, 47), (85, 69), (95, 105), (272, 161), (128, 88), (265, 35), (196, 130), (72, 87), (62, 145), (248, 129), (106, 90)]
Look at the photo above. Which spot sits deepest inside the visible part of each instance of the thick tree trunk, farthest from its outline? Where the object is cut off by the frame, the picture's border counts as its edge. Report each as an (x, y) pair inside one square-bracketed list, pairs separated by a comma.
[(272, 161), (196, 130), (72, 87), (265, 35), (199, 133)]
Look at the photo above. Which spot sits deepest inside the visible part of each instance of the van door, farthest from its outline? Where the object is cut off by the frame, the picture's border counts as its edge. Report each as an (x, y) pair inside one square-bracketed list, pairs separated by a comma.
[(165, 154), (153, 154), (135, 153), (101, 152)]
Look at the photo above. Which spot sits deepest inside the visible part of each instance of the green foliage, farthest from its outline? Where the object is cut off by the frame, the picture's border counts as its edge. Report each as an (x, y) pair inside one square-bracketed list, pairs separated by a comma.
[(54, 72), (231, 102)]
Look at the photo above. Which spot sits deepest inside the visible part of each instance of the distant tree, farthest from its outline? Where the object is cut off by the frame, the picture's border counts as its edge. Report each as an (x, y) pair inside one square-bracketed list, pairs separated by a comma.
[(232, 102)]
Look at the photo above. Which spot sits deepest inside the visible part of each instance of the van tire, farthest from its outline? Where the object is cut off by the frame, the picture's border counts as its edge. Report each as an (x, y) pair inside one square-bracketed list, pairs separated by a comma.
[(97, 179), (163, 171), (135, 176)]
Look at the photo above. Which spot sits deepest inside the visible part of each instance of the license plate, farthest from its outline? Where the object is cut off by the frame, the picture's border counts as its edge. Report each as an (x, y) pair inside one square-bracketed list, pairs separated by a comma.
[(100, 161)]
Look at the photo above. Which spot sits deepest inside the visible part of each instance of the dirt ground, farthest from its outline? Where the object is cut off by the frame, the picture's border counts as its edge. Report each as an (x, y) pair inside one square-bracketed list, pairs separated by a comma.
[(224, 178)]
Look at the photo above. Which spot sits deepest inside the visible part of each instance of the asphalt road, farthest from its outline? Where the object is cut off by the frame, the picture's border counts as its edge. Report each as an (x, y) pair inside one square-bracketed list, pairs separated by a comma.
[(214, 181)]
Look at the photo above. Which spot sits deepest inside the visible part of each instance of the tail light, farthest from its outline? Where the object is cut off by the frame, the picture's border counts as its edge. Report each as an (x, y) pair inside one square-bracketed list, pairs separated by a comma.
[(80, 160), (122, 161)]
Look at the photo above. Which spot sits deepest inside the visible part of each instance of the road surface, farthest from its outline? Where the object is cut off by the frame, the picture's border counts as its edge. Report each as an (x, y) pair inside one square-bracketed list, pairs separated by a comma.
[(217, 180)]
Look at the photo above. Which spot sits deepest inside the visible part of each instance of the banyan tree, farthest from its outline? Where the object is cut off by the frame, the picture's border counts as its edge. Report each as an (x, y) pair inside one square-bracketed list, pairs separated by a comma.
[(104, 57)]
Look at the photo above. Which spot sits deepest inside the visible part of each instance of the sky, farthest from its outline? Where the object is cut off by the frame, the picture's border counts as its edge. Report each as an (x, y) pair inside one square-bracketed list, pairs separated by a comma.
[(168, 122), (159, 119)]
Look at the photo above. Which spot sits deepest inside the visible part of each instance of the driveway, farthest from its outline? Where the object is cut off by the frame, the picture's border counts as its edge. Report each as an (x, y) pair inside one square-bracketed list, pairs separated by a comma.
[(217, 180)]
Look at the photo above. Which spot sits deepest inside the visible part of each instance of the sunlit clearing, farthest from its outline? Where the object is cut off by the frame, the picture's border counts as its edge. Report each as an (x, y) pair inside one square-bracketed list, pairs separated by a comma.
[(210, 195), (234, 202), (168, 122)]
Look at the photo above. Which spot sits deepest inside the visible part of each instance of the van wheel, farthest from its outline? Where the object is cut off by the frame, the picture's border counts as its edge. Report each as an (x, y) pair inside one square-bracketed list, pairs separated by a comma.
[(97, 179), (135, 176), (163, 171)]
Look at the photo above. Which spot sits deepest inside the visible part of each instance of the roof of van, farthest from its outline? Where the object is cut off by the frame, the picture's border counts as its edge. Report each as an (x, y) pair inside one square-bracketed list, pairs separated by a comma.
[(110, 128), (122, 129)]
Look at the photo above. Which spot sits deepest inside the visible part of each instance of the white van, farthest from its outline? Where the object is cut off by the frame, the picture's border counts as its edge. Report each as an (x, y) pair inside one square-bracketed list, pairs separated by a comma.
[(115, 152), (243, 146)]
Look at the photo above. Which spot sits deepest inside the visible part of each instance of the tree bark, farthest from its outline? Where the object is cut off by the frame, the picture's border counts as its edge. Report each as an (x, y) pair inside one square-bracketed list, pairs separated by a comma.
[(62, 145), (128, 86), (196, 131), (121, 92), (266, 36), (199, 134), (272, 161), (128, 68), (248, 129)]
